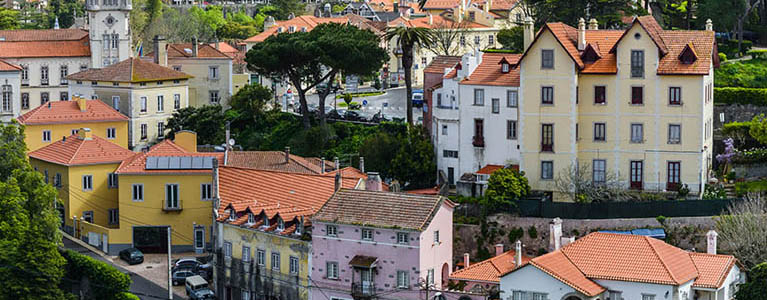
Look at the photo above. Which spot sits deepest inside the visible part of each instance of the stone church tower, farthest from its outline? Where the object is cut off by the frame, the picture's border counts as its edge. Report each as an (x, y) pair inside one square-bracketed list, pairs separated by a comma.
[(109, 31)]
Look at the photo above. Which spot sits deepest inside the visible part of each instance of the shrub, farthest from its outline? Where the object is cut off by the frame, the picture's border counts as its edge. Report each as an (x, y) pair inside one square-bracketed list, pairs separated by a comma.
[(739, 95), (106, 281), (515, 234), (722, 57), (661, 220), (758, 53), (683, 191), (749, 73), (532, 232), (748, 157), (714, 192), (742, 188)]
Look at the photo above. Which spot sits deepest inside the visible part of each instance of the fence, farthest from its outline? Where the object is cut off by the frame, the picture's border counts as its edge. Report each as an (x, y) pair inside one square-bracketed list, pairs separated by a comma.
[(609, 210)]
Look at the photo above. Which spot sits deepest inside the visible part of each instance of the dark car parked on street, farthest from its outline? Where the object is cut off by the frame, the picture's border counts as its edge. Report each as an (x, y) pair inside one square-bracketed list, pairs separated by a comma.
[(180, 275), (132, 256)]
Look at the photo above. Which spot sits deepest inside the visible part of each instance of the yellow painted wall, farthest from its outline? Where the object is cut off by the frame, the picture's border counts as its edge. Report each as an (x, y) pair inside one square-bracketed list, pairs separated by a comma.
[(239, 81), (34, 133)]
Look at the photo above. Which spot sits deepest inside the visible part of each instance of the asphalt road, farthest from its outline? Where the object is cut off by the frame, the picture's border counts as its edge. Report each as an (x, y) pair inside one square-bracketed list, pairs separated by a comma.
[(392, 102), (141, 287)]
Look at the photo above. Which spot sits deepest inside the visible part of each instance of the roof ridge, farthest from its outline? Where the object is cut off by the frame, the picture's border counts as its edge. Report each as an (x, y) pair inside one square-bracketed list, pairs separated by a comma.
[(561, 278), (79, 147), (326, 175), (662, 261)]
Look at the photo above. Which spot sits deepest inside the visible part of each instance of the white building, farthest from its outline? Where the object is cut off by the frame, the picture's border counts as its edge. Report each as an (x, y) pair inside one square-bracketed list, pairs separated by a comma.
[(10, 83), (475, 114), (622, 266)]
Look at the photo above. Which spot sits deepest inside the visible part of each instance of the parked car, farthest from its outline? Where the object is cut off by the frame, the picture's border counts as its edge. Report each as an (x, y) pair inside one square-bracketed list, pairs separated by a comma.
[(197, 288), (333, 114), (352, 115), (132, 256), (180, 275), (365, 116), (204, 270), (380, 117), (186, 262)]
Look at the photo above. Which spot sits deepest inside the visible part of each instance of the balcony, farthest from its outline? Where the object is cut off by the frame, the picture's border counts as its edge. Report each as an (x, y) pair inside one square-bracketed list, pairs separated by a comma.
[(167, 207), (363, 290), (478, 141), (545, 147)]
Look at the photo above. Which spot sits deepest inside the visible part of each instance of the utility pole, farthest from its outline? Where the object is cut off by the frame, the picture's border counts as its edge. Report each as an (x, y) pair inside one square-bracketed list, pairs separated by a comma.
[(170, 273)]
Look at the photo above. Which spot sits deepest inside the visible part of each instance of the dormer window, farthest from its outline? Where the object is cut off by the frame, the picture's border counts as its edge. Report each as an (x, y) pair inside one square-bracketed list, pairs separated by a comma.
[(590, 54), (251, 218), (232, 215), (505, 66), (280, 224), (279, 29), (299, 227), (266, 221), (688, 55)]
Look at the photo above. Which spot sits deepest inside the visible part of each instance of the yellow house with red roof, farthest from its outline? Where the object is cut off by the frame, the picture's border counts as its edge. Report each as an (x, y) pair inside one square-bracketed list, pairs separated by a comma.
[(55, 120)]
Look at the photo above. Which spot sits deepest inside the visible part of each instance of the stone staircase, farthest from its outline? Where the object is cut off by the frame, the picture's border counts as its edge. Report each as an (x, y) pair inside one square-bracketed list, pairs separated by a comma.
[(729, 188)]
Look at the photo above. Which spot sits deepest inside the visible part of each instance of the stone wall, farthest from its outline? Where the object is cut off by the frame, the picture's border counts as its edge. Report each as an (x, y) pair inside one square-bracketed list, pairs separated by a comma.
[(757, 170), (737, 113), (683, 232)]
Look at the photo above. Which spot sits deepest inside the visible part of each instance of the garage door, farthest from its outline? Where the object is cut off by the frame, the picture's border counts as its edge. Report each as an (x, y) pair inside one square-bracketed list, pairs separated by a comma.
[(150, 239)]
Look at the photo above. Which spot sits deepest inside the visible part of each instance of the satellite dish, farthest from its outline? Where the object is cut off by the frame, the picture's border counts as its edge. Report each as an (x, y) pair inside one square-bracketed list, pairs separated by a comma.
[(231, 142)]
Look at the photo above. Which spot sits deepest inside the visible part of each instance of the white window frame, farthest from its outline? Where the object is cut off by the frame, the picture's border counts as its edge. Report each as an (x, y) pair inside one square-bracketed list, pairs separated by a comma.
[(116, 102), (367, 234), (87, 182), (213, 73), (331, 270), (176, 101), (111, 133), (245, 254), (137, 192), (206, 191), (228, 250), (333, 228), (160, 103), (260, 257), (294, 267), (403, 279), (639, 137), (436, 237), (678, 139), (46, 136), (403, 238), (512, 98), (276, 258), (143, 104)]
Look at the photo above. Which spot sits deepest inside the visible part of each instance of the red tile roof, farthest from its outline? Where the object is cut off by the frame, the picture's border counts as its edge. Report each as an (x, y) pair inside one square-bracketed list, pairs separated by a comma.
[(713, 269), (78, 151), (489, 71), (236, 55), (441, 4), (489, 270), (34, 35), (489, 169), (558, 266), (130, 70), (425, 191), (273, 160), (185, 50), (300, 22), (437, 22), (440, 63), (137, 163), (65, 112), (6, 66), (44, 43)]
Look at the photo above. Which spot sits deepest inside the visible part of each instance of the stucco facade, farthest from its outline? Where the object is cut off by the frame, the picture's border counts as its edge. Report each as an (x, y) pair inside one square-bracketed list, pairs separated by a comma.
[(34, 132), (35, 87), (10, 94)]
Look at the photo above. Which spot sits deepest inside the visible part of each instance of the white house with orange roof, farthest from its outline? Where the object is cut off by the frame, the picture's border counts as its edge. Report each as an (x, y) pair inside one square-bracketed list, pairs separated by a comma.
[(623, 266), (485, 277)]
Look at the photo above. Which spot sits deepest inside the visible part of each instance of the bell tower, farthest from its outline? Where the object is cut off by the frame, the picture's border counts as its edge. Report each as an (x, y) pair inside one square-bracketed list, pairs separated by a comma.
[(109, 31)]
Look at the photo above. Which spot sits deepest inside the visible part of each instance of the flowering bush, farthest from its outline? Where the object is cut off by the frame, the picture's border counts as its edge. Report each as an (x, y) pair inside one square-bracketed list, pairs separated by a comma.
[(729, 152), (748, 156)]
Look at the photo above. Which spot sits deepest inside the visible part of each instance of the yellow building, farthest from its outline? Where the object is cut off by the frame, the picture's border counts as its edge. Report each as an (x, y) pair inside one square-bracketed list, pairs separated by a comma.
[(170, 185), (81, 166), (48, 123), (261, 230), (634, 104)]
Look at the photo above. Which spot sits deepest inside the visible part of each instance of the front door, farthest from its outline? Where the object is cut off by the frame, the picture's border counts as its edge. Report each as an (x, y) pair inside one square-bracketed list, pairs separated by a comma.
[(636, 174), (366, 278), (674, 169), (199, 240), (451, 175)]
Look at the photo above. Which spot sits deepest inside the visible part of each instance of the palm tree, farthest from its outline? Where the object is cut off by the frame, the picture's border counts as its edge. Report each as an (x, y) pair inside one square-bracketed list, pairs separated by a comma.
[(407, 39)]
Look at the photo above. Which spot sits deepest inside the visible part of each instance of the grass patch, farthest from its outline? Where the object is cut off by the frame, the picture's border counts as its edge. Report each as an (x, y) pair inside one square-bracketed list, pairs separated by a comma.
[(365, 94), (741, 188)]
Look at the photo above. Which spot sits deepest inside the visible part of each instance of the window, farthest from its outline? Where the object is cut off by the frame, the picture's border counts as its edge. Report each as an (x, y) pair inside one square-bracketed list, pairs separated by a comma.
[(600, 96), (294, 265), (112, 180), (260, 257), (547, 59), (547, 170), (675, 96), (143, 131), (87, 182), (332, 270), (367, 234), (83, 67), (479, 133), (439, 100), (648, 297), (214, 98), (637, 95), (64, 96), (490, 40), (171, 196), (44, 75), (44, 97), (444, 129), (331, 230), (403, 279), (138, 192), (111, 132), (637, 63), (160, 129), (24, 100), (436, 237), (280, 224), (114, 217), (88, 216), (423, 61), (45, 176), (160, 103), (614, 295), (46, 135), (143, 104), (94, 97), (674, 133), (73, 132), (479, 97), (598, 170), (476, 37), (512, 98), (57, 180), (463, 41), (511, 130), (449, 154), (275, 261), (547, 137), (496, 105), (525, 295), (674, 168), (402, 238), (430, 276), (637, 133), (599, 132), (228, 250), (245, 254), (547, 95), (212, 72), (63, 72), (116, 102), (176, 101), (7, 99), (25, 74), (245, 294), (206, 191)]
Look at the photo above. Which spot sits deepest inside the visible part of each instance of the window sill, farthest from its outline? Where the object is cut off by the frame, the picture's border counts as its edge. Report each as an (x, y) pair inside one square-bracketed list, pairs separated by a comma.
[(675, 105), (636, 104), (547, 179), (477, 104), (547, 104), (636, 142), (600, 104), (599, 141), (677, 143)]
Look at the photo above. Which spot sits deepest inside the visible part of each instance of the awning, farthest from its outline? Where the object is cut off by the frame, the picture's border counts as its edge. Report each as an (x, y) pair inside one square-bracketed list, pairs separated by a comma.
[(363, 261)]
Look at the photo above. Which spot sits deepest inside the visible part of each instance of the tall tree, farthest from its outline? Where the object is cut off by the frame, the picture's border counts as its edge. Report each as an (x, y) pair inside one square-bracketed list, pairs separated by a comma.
[(446, 35), (207, 122), (756, 286), (512, 39), (9, 19), (607, 12), (65, 11), (407, 39), (284, 8)]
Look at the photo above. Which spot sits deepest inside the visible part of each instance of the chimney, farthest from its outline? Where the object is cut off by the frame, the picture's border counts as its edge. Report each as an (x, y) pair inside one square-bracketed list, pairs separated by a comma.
[(555, 234), (227, 146), (466, 260), (487, 5), (373, 182), (64, 138), (82, 104), (195, 46), (593, 24), (216, 43), (336, 163), (338, 182), (581, 34), (711, 242), (362, 164), (498, 249), (461, 10), (431, 19), (160, 51), (517, 254), (56, 24), (287, 154), (528, 32), (269, 22), (395, 6), (84, 134), (322, 165), (709, 25)]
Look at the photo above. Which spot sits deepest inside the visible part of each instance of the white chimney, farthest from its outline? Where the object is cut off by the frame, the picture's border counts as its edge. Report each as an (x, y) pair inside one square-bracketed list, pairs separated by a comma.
[(322, 165), (517, 254), (711, 242), (373, 182), (528, 32), (287, 155), (337, 165), (555, 234), (362, 164), (593, 24), (195, 46), (581, 34), (709, 25), (466, 260), (498, 249), (431, 19)]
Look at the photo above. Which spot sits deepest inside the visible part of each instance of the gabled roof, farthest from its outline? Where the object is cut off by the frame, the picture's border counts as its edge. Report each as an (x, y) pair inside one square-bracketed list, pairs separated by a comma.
[(137, 163), (67, 112), (558, 266), (653, 29), (130, 70), (437, 22), (273, 160), (44, 43), (489, 270), (489, 169), (488, 72), (713, 269), (36, 35), (184, 50), (381, 209), (307, 22), (74, 150), (441, 4), (6, 66)]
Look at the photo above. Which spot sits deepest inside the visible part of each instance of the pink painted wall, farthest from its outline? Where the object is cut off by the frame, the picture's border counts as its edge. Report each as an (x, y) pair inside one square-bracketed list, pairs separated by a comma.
[(436, 255)]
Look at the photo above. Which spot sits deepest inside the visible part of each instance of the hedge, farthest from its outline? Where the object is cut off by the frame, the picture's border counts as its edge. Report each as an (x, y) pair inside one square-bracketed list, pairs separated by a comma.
[(760, 53), (732, 95), (733, 128), (106, 281)]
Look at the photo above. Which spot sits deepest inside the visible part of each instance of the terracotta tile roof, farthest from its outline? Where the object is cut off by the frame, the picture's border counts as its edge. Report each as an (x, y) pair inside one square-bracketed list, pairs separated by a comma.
[(703, 43), (601, 41), (489, 71), (489, 169), (453, 73), (137, 163), (78, 151), (130, 70), (44, 43), (36, 35), (352, 172), (203, 51), (380, 209), (423, 22), (6, 66), (298, 23), (271, 160), (64, 112), (440, 63), (489, 270), (558, 266), (236, 55), (425, 191), (440, 4), (713, 269)]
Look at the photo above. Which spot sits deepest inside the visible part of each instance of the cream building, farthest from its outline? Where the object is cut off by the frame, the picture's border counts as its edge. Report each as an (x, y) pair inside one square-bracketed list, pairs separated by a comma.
[(634, 103), (145, 92), (10, 86)]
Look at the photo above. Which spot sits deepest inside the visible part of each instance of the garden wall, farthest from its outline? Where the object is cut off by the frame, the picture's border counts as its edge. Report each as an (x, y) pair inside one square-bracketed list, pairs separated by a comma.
[(755, 170)]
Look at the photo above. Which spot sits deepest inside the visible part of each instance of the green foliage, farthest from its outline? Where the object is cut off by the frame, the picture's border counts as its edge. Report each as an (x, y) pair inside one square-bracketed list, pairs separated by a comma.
[(532, 232), (105, 280), (758, 129), (714, 192), (9, 19), (126, 296), (207, 121), (758, 53), (683, 191), (747, 74), (347, 98), (515, 234), (736, 128), (337, 8), (512, 39), (414, 164), (755, 288), (250, 101), (409, 38), (661, 220), (739, 95), (745, 187), (607, 12), (722, 57), (64, 10), (360, 94), (507, 185)]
